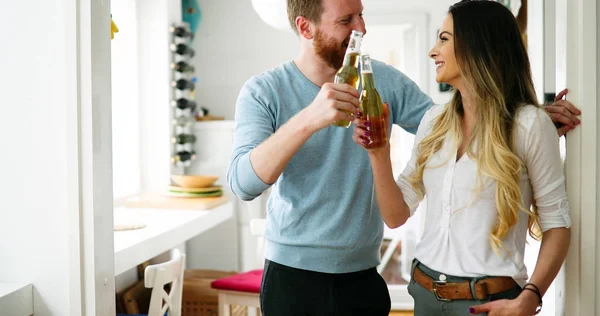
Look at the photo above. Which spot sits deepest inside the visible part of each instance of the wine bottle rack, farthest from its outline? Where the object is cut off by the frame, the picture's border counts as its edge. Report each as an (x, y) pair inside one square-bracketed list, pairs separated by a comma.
[(183, 105)]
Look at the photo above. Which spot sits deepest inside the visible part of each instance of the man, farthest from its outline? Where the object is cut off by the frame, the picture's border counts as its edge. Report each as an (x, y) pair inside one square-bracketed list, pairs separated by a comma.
[(324, 230)]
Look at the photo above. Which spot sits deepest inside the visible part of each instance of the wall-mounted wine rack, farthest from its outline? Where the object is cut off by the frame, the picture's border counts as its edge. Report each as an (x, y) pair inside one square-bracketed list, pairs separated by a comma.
[(183, 104)]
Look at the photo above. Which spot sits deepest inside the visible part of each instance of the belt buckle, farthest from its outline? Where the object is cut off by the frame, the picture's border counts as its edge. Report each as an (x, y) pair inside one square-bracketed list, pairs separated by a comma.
[(435, 292)]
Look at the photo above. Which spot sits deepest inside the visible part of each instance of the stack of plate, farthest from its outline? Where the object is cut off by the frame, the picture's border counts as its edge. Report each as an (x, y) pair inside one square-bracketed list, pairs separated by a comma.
[(194, 186)]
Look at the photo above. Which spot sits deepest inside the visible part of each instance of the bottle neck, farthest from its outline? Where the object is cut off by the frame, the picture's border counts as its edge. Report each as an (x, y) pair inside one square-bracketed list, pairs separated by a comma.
[(353, 51), (351, 58), (368, 81)]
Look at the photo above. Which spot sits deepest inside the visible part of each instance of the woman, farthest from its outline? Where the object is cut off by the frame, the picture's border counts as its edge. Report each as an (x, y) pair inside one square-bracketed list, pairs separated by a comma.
[(482, 160)]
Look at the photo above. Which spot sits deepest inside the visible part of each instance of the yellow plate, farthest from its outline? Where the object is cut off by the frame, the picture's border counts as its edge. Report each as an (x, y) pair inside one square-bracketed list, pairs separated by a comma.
[(193, 181), (194, 190)]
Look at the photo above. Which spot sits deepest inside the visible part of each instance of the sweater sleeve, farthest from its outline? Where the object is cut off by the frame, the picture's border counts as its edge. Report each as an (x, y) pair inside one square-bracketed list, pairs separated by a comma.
[(254, 123), (410, 103)]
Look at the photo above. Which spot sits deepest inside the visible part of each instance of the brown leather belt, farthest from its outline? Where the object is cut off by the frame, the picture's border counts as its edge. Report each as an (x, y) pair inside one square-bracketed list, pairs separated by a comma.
[(448, 291)]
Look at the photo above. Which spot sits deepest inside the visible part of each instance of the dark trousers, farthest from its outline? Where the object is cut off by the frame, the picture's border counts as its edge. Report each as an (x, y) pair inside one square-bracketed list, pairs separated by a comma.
[(287, 291)]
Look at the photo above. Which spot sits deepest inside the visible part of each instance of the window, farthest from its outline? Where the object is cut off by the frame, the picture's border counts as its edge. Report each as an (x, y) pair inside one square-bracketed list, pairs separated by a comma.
[(125, 104)]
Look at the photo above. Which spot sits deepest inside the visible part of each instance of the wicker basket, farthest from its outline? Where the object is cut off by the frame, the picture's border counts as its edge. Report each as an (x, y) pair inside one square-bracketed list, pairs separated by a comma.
[(199, 299)]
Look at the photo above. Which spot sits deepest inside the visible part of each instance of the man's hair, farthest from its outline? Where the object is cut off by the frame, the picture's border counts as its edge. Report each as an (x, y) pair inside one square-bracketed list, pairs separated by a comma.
[(310, 9)]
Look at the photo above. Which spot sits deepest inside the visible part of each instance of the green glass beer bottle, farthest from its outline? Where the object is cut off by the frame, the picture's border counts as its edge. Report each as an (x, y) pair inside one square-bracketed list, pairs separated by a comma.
[(348, 73), (371, 105)]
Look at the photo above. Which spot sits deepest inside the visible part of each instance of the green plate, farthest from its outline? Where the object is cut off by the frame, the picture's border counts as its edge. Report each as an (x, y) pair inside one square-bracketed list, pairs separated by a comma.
[(194, 194), (175, 188)]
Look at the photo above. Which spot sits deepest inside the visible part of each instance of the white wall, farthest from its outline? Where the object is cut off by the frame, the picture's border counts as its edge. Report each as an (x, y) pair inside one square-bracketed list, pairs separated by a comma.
[(237, 248), (37, 86), (224, 255), (232, 44)]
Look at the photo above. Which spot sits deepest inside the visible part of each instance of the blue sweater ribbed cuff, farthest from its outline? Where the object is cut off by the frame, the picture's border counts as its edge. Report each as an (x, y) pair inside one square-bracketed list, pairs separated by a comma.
[(249, 182)]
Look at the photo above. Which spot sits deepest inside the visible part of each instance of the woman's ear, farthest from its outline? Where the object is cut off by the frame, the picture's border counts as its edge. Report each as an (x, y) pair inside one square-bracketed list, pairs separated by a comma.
[(305, 27)]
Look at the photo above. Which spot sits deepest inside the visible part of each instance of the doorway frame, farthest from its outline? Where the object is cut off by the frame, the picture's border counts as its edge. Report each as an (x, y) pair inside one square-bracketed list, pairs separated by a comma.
[(91, 248), (582, 278)]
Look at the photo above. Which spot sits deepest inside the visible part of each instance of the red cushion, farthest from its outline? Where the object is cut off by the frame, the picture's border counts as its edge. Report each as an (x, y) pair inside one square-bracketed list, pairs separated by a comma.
[(243, 282)]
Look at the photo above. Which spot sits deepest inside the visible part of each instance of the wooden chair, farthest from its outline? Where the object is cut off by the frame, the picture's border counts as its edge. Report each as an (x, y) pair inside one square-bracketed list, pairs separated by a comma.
[(157, 276), (243, 288)]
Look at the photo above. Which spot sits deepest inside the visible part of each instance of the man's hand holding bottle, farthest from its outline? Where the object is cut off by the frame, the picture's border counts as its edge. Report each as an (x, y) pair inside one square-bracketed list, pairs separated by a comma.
[(335, 102)]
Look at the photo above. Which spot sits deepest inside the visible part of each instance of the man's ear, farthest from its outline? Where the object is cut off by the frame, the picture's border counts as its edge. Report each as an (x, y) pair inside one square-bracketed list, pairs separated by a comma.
[(305, 27)]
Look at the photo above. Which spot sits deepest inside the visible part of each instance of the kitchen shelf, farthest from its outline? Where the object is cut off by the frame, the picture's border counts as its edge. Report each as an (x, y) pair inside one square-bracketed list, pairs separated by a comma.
[(164, 229), (229, 124)]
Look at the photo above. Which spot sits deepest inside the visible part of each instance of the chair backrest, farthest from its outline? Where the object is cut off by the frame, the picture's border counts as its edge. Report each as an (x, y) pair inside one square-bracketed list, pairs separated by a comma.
[(157, 276), (258, 226), (257, 229)]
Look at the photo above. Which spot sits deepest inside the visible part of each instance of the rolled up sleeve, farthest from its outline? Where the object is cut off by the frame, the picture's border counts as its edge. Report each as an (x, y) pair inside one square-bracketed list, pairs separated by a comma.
[(545, 170), (254, 123)]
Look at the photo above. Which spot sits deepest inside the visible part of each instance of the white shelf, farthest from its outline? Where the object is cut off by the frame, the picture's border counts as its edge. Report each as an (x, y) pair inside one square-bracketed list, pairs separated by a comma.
[(164, 230), (226, 124), (16, 299)]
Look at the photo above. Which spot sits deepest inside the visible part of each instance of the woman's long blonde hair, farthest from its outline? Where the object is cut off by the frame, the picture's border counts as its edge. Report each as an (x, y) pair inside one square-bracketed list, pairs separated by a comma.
[(493, 61)]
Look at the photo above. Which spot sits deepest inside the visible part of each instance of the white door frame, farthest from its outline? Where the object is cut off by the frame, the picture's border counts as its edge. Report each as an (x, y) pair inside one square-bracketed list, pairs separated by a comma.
[(582, 278), (91, 250), (91, 224), (553, 24)]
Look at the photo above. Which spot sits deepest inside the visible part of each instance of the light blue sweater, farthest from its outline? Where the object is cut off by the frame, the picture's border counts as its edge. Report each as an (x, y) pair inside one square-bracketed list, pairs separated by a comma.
[(322, 214)]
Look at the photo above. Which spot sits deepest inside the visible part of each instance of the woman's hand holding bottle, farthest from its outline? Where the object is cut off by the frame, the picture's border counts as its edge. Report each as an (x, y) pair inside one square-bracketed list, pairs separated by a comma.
[(362, 134)]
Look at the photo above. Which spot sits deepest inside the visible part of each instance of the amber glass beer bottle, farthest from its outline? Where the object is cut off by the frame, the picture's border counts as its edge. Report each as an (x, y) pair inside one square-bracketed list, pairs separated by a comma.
[(371, 105), (348, 73)]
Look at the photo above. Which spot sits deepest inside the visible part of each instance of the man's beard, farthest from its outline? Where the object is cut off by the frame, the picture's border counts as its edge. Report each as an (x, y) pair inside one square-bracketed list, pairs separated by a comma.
[(331, 52)]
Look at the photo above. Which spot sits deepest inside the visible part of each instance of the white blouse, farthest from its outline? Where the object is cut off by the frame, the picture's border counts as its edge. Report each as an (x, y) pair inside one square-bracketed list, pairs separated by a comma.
[(461, 212)]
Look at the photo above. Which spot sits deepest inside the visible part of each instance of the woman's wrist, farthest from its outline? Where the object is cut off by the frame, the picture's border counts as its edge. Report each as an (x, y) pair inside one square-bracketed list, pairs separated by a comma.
[(529, 300), (379, 154)]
